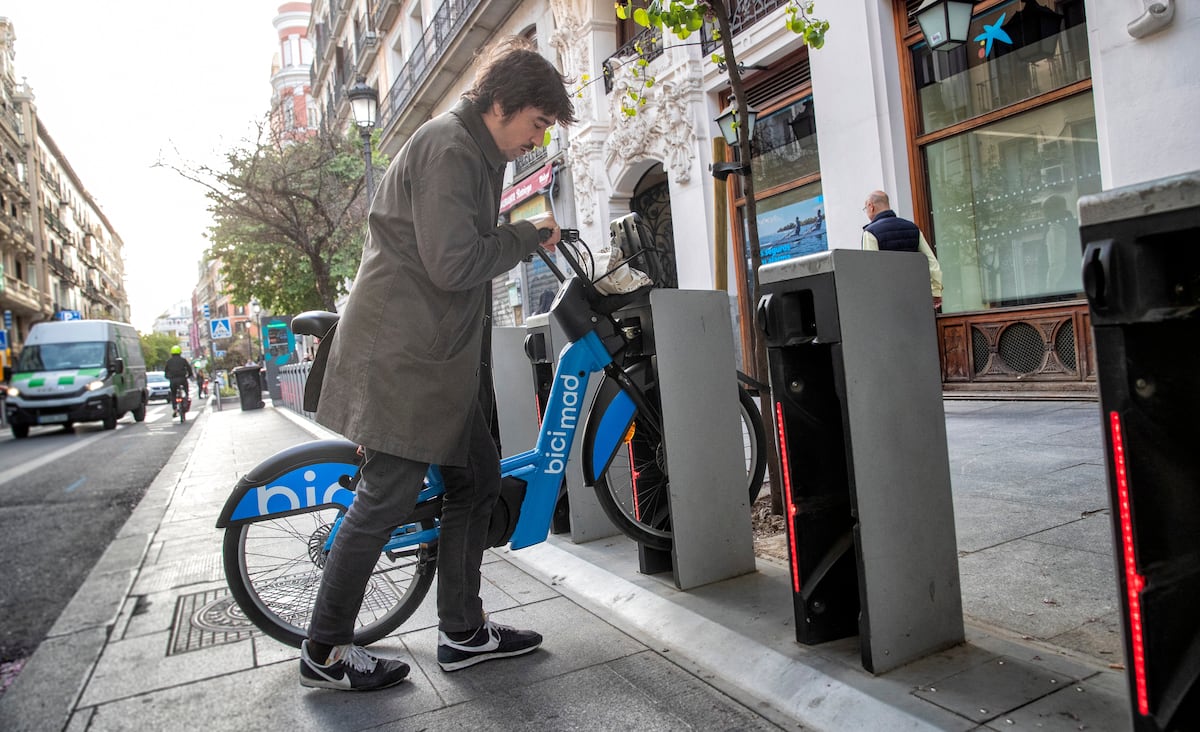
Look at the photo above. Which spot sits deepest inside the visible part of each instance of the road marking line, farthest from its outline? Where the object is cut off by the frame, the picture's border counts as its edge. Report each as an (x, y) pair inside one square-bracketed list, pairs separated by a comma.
[(76, 484), (17, 472)]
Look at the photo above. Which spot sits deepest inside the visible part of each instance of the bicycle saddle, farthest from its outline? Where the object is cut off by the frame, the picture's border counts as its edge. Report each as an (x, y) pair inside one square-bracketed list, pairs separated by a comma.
[(314, 323)]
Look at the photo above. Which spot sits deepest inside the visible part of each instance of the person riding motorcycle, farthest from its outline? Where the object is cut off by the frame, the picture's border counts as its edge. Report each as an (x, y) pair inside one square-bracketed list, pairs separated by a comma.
[(177, 371)]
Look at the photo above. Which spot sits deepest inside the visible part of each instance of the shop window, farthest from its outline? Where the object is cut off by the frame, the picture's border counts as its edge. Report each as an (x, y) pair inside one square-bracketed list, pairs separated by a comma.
[(792, 224), (1003, 199), (1018, 50), (784, 147)]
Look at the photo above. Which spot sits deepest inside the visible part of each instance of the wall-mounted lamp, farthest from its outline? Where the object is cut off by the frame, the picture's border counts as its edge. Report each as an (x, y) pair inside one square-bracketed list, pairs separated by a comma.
[(945, 23), (728, 122)]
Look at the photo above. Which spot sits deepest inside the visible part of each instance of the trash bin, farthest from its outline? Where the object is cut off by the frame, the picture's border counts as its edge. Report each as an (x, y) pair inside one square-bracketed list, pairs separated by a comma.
[(250, 386), (1141, 273)]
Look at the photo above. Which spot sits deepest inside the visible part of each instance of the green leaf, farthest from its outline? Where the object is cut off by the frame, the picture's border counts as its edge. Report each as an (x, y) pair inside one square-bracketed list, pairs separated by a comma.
[(621, 12), (717, 58), (641, 17)]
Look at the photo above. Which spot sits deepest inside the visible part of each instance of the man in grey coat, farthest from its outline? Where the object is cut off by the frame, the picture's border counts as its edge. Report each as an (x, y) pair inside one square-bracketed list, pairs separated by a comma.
[(406, 377)]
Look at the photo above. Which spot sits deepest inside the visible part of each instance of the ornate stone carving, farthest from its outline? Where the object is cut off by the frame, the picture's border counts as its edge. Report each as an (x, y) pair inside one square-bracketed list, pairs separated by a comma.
[(582, 157), (572, 41), (662, 129)]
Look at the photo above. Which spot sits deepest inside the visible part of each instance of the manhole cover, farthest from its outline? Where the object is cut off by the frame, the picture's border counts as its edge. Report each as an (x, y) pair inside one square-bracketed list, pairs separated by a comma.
[(204, 619)]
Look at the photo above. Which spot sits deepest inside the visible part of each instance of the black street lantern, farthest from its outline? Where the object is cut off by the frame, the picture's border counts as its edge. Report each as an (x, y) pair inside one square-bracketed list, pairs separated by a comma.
[(945, 23), (364, 105), (728, 122)]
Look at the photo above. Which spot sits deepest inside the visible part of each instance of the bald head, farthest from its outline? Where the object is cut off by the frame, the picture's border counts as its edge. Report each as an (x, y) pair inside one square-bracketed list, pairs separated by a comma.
[(876, 201)]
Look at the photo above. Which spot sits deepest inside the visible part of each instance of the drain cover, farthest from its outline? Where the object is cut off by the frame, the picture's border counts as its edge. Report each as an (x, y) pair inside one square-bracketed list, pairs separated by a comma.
[(204, 619)]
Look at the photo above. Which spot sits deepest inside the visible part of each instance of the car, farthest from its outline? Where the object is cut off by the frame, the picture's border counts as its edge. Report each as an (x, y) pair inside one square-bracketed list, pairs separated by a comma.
[(157, 386)]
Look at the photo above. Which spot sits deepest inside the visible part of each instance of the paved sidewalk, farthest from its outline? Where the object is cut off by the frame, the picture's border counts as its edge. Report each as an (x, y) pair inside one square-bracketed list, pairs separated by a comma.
[(623, 650)]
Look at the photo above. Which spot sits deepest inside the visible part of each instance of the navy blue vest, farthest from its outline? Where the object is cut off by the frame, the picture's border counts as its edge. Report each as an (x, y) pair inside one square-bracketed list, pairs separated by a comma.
[(894, 233)]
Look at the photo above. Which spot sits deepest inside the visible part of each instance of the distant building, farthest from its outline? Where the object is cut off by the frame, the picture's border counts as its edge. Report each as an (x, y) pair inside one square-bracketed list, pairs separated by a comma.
[(293, 111), (59, 254)]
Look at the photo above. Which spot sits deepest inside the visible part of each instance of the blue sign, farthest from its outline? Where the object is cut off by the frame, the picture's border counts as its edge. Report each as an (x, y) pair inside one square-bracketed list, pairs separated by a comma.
[(3, 339), (68, 315), (8, 320), (219, 327), (204, 309)]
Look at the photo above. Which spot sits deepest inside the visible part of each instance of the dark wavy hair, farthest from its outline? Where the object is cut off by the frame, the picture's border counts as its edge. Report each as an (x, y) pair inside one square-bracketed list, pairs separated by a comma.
[(512, 73)]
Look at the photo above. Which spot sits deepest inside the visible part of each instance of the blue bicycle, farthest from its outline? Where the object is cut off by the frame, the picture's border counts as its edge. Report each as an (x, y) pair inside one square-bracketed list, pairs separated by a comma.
[(282, 516)]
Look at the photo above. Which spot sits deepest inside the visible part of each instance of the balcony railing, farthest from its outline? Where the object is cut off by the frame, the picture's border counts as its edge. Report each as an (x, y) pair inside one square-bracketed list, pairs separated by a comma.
[(743, 14), (650, 41), (383, 13), (531, 160), (446, 23)]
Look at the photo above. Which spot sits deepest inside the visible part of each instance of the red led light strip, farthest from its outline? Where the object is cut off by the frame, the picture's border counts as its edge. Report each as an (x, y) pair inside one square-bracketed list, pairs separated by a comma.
[(633, 480), (787, 496), (1134, 582)]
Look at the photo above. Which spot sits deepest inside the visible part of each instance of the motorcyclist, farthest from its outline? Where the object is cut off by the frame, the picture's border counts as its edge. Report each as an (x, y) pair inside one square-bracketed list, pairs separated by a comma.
[(177, 371)]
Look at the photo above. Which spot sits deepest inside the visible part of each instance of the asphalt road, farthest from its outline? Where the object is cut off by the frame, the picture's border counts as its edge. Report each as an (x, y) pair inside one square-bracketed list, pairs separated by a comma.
[(63, 497)]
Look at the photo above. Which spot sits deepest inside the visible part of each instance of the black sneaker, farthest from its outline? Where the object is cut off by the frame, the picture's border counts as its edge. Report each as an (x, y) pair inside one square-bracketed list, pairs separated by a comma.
[(490, 641), (350, 668)]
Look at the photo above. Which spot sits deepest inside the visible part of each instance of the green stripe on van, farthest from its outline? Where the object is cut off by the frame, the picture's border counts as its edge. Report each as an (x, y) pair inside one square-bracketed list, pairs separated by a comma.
[(89, 372), (37, 381), (66, 380)]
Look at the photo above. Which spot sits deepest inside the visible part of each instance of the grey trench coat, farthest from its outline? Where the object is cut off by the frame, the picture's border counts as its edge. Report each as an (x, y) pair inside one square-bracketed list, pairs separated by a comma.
[(403, 370)]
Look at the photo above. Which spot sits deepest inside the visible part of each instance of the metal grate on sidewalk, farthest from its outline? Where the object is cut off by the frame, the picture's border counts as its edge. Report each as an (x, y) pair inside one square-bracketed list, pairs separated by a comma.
[(206, 619)]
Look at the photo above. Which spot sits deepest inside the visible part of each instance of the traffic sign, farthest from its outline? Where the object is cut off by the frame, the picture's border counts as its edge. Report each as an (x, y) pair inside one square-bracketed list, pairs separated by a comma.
[(3, 339), (219, 327), (204, 309)]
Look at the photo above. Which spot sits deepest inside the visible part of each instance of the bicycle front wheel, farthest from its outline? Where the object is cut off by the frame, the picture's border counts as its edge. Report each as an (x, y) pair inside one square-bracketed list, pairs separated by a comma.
[(274, 570), (633, 491)]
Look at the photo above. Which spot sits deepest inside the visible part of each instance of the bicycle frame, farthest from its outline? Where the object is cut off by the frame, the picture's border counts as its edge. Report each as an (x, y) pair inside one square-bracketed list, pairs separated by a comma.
[(327, 479)]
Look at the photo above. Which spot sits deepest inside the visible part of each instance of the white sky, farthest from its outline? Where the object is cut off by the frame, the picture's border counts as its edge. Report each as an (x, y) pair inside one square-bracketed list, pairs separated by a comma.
[(119, 84)]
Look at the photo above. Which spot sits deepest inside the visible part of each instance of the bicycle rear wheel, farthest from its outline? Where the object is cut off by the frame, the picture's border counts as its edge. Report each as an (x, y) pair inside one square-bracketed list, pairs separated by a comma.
[(633, 491), (274, 570)]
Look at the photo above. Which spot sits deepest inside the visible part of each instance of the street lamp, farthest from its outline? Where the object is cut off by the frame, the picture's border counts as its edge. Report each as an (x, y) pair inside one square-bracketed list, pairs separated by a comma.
[(364, 104), (728, 122), (945, 23)]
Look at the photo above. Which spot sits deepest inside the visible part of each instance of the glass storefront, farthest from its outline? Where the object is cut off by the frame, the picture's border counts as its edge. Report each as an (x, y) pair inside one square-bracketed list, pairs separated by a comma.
[(1020, 49), (784, 147), (1003, 198), (1003, 194), (791, 221)]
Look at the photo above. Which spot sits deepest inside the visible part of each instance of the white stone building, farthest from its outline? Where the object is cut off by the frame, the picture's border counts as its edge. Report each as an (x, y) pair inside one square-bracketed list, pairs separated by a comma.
[(973, 144)]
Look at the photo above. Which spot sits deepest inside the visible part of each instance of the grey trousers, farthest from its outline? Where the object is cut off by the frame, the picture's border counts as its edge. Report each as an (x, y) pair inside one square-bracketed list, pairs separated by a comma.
[(383, 500)]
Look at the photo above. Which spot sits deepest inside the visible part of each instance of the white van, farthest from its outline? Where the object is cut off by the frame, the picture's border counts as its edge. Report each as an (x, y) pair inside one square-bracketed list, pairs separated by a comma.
[(77, 371)]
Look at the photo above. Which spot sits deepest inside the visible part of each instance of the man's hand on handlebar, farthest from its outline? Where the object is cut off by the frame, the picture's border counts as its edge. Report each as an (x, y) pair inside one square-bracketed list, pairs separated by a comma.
[(548, 229)]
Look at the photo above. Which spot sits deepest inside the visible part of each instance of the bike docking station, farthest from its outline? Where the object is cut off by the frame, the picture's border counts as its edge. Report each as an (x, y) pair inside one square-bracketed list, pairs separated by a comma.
[(861, 431), (1141, 273), (521, 405), (689, 338)]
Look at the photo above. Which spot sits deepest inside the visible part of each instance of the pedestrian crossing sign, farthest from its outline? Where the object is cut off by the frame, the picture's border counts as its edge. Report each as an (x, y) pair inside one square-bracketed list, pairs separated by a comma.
[(220, 328)]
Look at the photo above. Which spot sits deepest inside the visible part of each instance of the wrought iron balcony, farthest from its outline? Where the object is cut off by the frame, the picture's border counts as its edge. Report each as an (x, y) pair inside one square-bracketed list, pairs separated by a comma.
[(743, 14), (383, 13), (448, 45), (531, 160), (650, 41)]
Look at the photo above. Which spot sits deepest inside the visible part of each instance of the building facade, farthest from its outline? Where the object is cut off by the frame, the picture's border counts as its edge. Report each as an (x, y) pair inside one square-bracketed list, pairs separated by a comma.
[(987, 147), (293, 111), (60, 256)]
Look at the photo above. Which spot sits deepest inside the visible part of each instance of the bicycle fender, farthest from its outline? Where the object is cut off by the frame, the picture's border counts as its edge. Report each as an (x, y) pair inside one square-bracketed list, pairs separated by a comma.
[(319, 473), (608, 420)]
